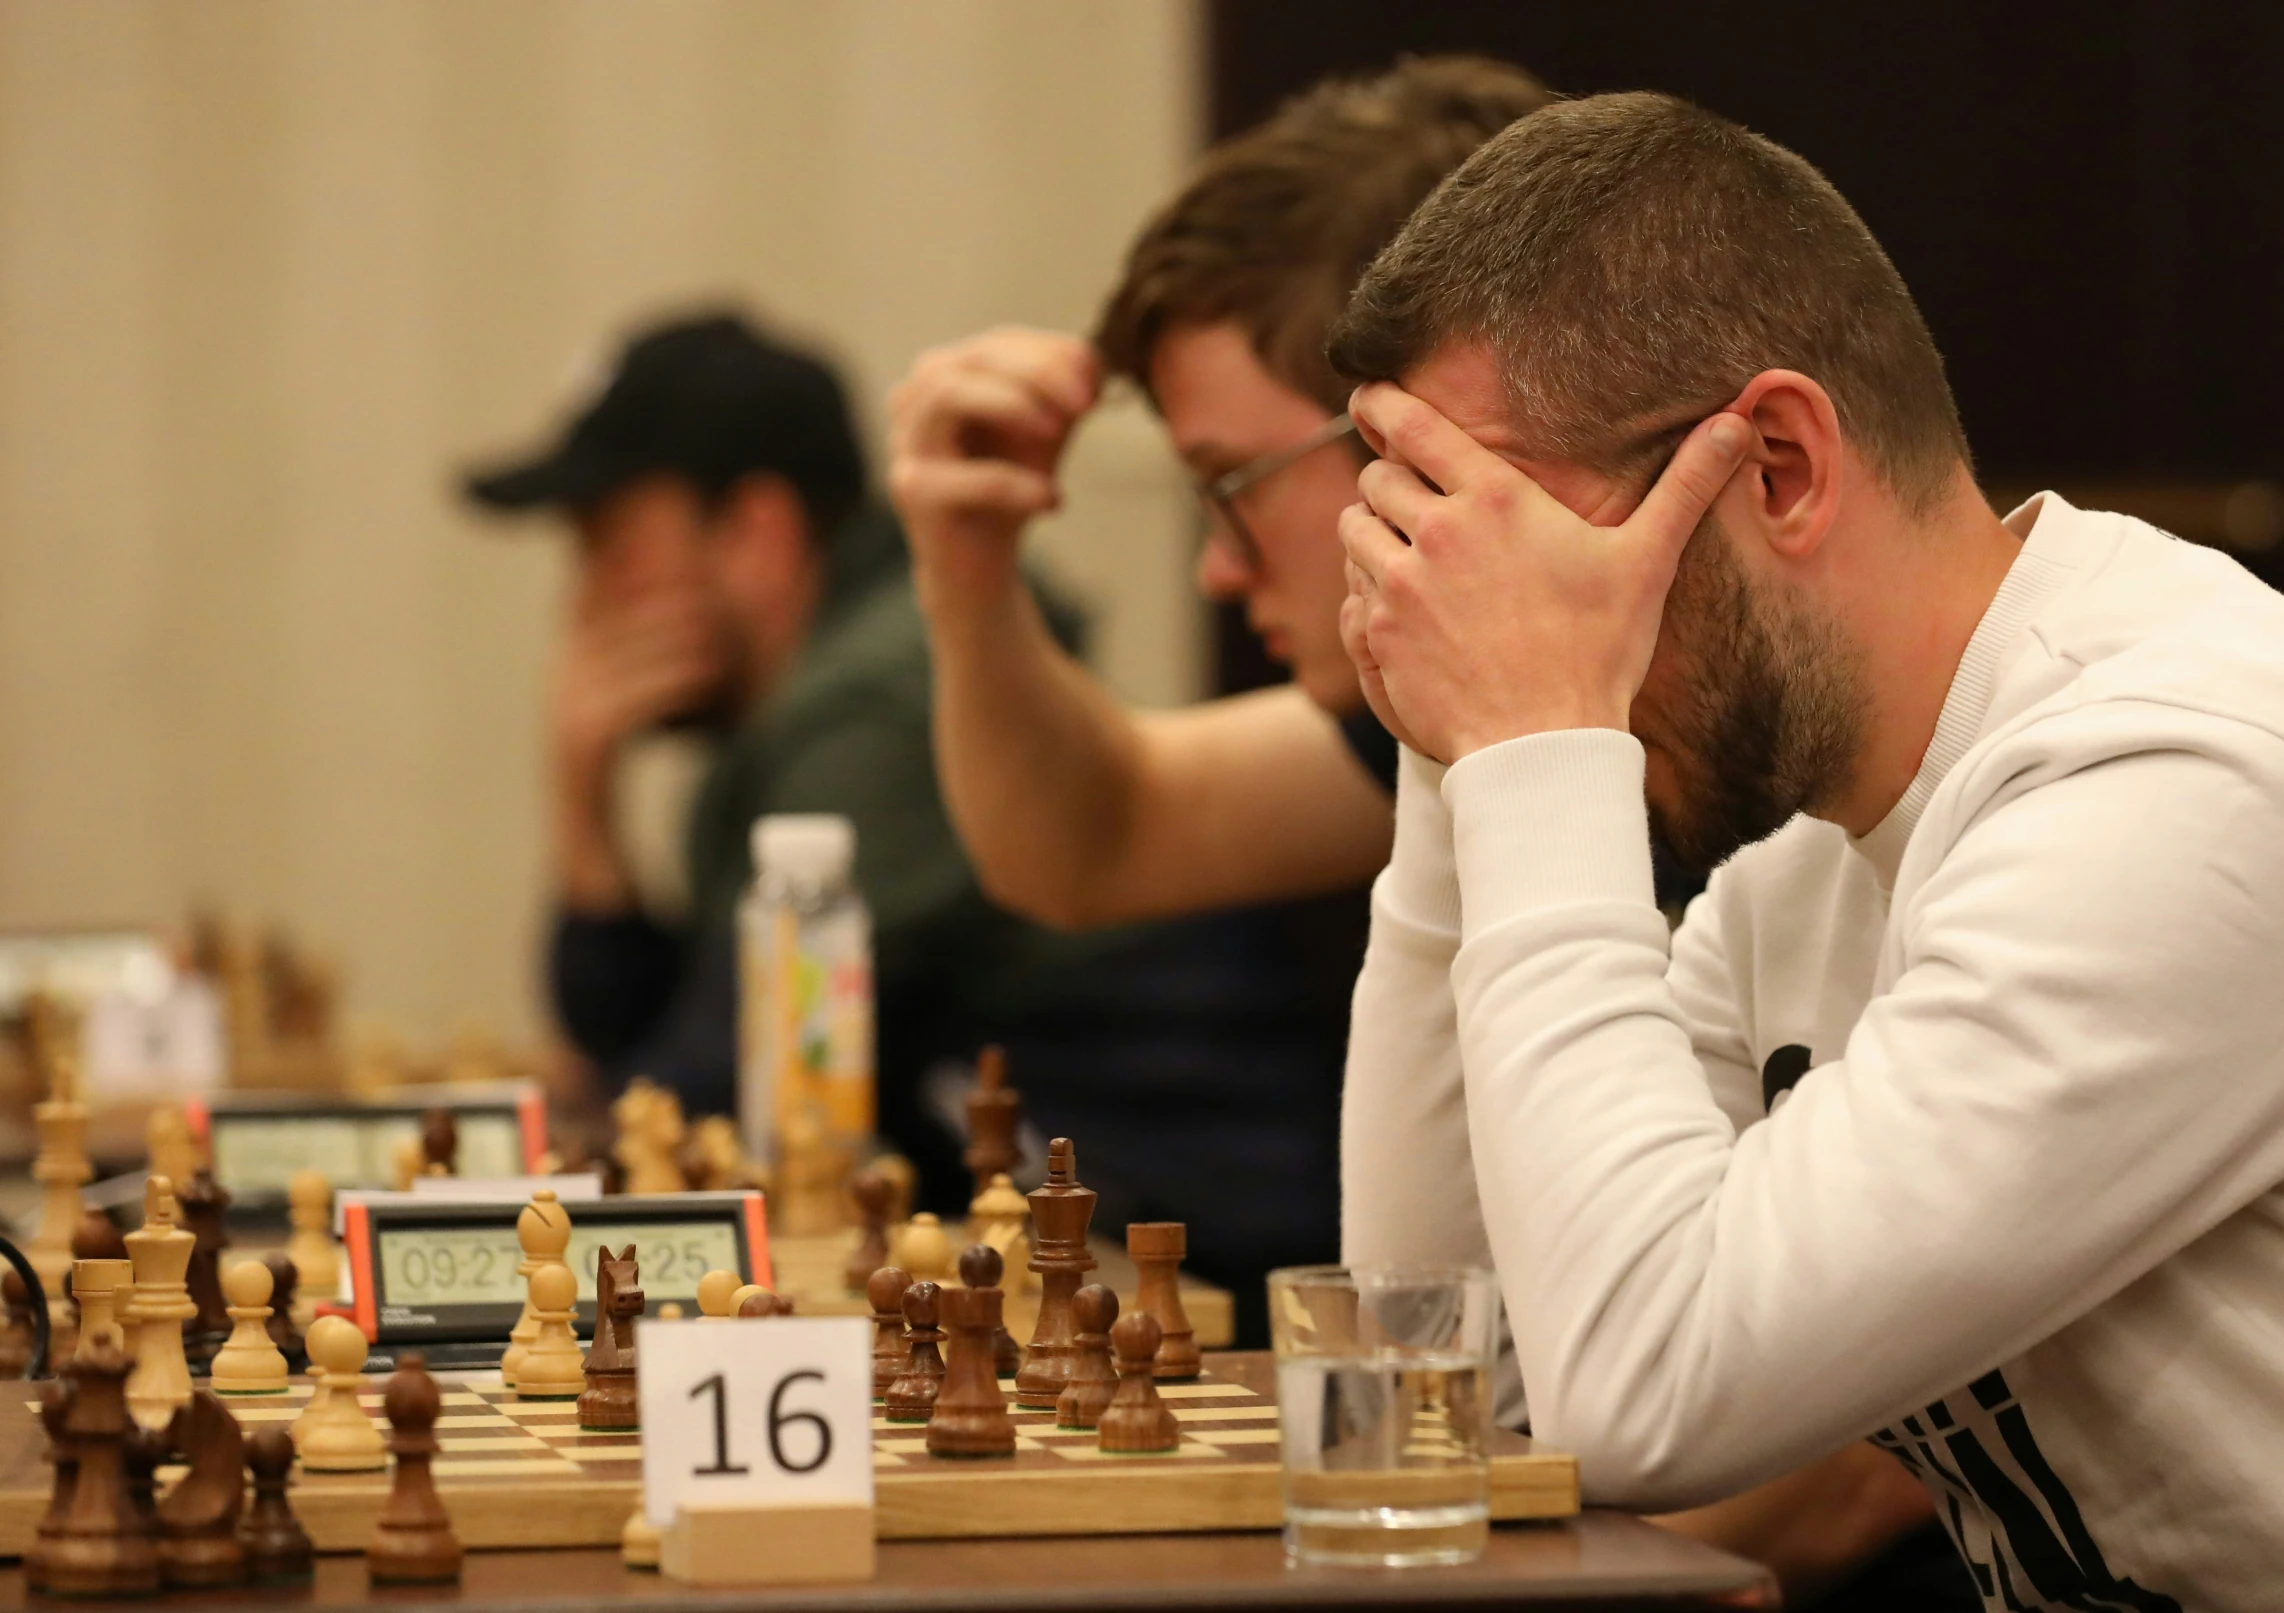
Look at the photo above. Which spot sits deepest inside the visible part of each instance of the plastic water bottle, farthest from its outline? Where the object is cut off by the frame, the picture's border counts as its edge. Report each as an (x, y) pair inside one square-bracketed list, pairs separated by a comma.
[(805, 1028)]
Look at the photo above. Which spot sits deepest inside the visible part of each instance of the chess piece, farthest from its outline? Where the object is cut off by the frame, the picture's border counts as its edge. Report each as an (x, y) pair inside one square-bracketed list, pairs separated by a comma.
[(16, 1327), (1060, 1211), (981, 1267), (404, 1163), (717, 1295), (609, 1401), (970, 1415), (100, 1288), (639, 1540), (913, 1395), (904, 1178), (994, 1112), (277, 1548), (998, 1216), (55, 1402), (333, 1433), (200, 1205), (62, 1165), (96, 1238), (316, 1257), (542, 1232), (249, 1363), (412, 1543), (885, 1292), (1093, 1380), (671, 1311), (1136, 1419), (760, 1304), (439, 1142), (146, 1449), (871, 1191), (160, 1254), (198, 1521), (1157, 1248), (650, 1132), (552, 1368), (169, 1147), (925, 1249), (714, 1160), (101, 1546), (813, 1169), (285, 1278)]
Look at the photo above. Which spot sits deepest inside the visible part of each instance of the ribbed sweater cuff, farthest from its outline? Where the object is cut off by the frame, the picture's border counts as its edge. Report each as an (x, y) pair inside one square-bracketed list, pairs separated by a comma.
[(1546, 820), (1422, 881)]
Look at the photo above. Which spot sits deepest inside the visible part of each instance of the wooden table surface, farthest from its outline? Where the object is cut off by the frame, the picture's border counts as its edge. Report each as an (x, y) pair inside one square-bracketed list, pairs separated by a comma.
[(1600, 1560)]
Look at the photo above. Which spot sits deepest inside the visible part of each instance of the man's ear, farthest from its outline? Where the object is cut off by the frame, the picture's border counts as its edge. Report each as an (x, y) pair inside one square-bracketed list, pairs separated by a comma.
[(1791, 480)]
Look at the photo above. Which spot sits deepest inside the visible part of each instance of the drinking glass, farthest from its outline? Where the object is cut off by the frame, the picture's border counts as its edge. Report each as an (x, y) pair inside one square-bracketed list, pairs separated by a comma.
[(1384, 1395)]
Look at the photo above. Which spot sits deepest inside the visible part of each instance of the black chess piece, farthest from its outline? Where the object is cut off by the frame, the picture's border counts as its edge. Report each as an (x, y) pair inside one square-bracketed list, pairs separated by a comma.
[(277, 1548), (285, 1277)]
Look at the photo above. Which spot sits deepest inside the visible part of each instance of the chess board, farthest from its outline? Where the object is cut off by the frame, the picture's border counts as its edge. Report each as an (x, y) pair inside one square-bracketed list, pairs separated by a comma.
[(524, 1474)]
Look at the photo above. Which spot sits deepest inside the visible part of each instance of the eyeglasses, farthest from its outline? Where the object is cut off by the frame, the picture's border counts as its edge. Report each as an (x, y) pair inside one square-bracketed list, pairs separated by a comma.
[(1220, 495)]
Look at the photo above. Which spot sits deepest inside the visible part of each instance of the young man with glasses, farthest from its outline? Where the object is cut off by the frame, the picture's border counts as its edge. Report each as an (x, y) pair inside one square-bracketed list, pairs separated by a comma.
[(1083, 812), (1076, 809)]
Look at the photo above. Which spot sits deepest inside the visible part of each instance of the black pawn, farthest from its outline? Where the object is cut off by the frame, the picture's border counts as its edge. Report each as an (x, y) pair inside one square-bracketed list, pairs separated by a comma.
[(981, 1266), (285, 1277), (277, 1547)]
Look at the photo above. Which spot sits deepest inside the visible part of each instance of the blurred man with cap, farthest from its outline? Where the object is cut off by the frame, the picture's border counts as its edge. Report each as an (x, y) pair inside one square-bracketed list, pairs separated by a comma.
[(734, 578)]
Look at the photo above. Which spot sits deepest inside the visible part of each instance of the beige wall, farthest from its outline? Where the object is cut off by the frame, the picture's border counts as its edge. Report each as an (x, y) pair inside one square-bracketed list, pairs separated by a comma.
[(269, 267)]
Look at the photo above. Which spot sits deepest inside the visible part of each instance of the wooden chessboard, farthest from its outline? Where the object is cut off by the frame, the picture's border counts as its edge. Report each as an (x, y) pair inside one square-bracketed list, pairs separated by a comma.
[(522, 1473)]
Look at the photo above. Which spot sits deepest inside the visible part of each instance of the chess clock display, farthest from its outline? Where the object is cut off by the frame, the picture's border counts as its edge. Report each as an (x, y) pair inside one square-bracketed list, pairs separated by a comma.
[(444, 1277), (258, 1145)]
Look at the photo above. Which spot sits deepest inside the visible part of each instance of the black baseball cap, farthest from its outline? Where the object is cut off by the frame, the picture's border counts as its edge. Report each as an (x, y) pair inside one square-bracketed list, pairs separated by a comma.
[(708, 398)]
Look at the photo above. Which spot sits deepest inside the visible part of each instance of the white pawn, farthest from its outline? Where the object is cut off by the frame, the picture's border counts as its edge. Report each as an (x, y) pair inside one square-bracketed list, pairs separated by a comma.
[(925, 1249), (542, 1232), (316, 1257), (552, 1368), (718, 1296), (250, 1363), (334, 1433)]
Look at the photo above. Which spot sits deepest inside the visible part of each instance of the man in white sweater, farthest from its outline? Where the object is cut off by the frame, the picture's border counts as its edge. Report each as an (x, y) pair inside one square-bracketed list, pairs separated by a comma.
[(1953, 1114)]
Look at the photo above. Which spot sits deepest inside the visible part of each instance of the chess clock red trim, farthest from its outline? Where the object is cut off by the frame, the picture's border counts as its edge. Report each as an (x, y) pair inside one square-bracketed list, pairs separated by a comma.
[(757, 1241), (357, 1234), (531, 1117)]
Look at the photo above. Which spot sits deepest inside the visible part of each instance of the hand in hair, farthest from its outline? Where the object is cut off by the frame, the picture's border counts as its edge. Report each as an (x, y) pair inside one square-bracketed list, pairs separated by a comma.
[(976, 431), (1482, 609)]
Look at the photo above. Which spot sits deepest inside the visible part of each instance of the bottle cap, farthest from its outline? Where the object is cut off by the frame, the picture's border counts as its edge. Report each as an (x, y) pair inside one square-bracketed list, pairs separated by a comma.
[(816, 846)]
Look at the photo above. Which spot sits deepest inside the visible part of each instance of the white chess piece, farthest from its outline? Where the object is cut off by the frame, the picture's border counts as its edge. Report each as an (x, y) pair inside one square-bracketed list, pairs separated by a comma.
[(334, 1434), (553, 1368), (249, 1362)]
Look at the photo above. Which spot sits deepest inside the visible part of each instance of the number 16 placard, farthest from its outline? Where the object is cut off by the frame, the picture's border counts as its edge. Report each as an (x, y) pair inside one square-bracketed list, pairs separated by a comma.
[(763, 1413)]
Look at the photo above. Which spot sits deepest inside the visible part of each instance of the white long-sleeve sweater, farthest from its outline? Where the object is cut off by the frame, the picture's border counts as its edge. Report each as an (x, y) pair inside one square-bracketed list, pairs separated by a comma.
[(2016, 1212)]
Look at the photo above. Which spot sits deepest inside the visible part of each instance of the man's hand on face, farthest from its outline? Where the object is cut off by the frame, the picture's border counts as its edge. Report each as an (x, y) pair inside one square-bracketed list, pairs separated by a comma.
[(627, 667), (976, 431), (1481, 609)]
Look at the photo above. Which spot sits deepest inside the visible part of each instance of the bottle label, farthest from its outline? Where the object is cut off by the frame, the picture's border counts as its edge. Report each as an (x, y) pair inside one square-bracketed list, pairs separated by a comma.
[(820, 1026)]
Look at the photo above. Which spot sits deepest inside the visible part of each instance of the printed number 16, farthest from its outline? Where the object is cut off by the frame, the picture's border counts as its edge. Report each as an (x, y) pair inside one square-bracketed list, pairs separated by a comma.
[(779, 1417)]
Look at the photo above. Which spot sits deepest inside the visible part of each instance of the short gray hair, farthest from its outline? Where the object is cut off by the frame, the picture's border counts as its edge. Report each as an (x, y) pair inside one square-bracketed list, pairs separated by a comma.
[(1634, 261)]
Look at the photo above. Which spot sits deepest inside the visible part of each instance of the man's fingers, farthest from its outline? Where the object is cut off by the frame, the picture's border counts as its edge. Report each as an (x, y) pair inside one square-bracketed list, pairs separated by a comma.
[(1371, 543), (1397, 495), (1414, 432), (971, 487), (941, 413), (1700, 468)]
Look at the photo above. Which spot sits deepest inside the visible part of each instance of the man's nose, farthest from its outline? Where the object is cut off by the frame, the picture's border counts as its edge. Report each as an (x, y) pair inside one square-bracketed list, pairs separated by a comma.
[(1220, 574)]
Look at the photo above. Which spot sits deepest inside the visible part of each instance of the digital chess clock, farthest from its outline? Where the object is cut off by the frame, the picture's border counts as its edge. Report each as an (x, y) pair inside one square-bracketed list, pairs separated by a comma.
[(441, 1276), (258, 1144)]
